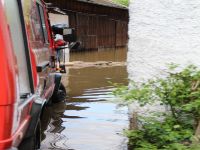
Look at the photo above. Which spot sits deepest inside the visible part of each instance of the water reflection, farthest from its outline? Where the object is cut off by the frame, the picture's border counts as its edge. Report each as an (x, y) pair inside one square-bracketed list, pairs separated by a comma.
[(96, 81), (52, 125), (88, 120), (116, 55)]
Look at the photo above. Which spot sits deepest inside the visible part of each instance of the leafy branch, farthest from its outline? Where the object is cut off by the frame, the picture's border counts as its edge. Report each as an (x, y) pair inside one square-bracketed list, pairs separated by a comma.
[(180, 128)]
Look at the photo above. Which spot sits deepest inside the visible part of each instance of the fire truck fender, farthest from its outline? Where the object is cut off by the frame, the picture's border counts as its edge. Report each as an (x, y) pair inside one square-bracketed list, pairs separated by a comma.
[(57, 81), (37, 108), (59, 93)]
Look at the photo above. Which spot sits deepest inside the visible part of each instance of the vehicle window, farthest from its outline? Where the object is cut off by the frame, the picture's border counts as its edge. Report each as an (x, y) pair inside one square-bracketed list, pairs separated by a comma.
[(37, 33), (18, 40), (43, 25)]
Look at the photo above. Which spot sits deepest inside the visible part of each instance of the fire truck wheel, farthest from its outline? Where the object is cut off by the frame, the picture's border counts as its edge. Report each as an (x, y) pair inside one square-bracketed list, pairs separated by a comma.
[(33, 142), (60, 95)]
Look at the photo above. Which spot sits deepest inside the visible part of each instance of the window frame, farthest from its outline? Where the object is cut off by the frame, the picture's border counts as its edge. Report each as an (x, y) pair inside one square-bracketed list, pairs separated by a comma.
[(41, 16), (26, 46)]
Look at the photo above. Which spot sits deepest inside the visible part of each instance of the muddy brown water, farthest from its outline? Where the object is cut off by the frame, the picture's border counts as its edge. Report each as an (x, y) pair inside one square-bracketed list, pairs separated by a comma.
[(89, 119)]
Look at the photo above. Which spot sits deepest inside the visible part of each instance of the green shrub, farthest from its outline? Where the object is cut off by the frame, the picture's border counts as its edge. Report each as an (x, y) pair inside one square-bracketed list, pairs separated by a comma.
[(122, 2), (180, 127)]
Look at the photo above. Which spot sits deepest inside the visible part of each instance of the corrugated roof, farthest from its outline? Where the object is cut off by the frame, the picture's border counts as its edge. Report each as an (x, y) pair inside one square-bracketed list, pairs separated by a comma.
[(109, 3)]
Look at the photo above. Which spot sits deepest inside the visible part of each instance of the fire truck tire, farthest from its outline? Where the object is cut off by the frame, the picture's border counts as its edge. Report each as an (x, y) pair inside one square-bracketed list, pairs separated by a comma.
[(60, 95), (33, 142)]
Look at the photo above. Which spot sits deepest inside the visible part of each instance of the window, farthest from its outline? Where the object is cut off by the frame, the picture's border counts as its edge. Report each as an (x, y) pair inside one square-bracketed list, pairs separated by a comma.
[(43, 25), (17, 31)]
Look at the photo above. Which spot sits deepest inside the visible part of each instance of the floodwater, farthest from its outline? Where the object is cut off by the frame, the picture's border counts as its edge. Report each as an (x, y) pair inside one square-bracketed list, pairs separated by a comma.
[(89, 119)]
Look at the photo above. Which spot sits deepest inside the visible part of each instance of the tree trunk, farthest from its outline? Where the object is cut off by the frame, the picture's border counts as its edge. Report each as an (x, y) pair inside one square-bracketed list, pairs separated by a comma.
[(133, 121)]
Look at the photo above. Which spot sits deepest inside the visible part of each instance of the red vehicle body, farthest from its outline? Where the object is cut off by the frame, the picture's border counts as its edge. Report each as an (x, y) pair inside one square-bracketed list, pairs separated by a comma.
[(27, 72)]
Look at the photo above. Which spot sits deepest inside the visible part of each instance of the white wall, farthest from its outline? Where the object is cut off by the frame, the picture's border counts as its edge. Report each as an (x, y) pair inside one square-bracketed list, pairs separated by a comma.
[(161, 32), (58, 19)]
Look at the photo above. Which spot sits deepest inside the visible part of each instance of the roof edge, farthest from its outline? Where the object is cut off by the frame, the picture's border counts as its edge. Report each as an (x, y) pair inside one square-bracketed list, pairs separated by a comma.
[(119, 6)]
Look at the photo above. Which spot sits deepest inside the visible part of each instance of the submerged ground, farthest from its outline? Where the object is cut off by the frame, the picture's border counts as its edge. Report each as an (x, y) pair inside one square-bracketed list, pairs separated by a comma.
[(89, 119)]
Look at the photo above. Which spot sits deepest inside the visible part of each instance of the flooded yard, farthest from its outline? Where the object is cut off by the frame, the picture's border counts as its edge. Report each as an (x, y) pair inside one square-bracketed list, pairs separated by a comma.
[(89, 119)]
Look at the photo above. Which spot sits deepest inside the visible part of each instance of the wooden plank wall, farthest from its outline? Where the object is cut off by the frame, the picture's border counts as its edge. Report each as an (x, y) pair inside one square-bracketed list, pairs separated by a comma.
[(121, 33), (91, 8), (93, 29)]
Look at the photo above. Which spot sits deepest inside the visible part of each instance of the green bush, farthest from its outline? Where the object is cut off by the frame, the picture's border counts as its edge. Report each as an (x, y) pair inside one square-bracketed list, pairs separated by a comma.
[(179, 128), (122, 2)]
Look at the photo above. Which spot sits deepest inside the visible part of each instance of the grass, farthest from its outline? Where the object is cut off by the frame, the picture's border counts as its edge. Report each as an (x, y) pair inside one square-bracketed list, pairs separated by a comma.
[(122, 2)]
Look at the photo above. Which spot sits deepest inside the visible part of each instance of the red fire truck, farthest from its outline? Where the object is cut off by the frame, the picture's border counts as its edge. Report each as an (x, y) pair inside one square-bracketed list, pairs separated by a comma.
[(27, 72)]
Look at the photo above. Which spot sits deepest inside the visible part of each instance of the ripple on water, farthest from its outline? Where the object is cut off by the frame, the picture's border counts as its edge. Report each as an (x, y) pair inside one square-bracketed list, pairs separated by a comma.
[(87, 126), (88, 120)]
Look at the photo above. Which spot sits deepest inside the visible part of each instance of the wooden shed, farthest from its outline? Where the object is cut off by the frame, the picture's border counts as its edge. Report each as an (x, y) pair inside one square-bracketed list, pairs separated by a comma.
[(97, 23)]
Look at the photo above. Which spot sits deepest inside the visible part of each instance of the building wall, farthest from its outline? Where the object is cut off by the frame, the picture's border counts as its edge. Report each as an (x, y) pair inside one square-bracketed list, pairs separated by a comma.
[(95, 31), (58, 19), (161, 32), (91, 8), (96, 26)]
